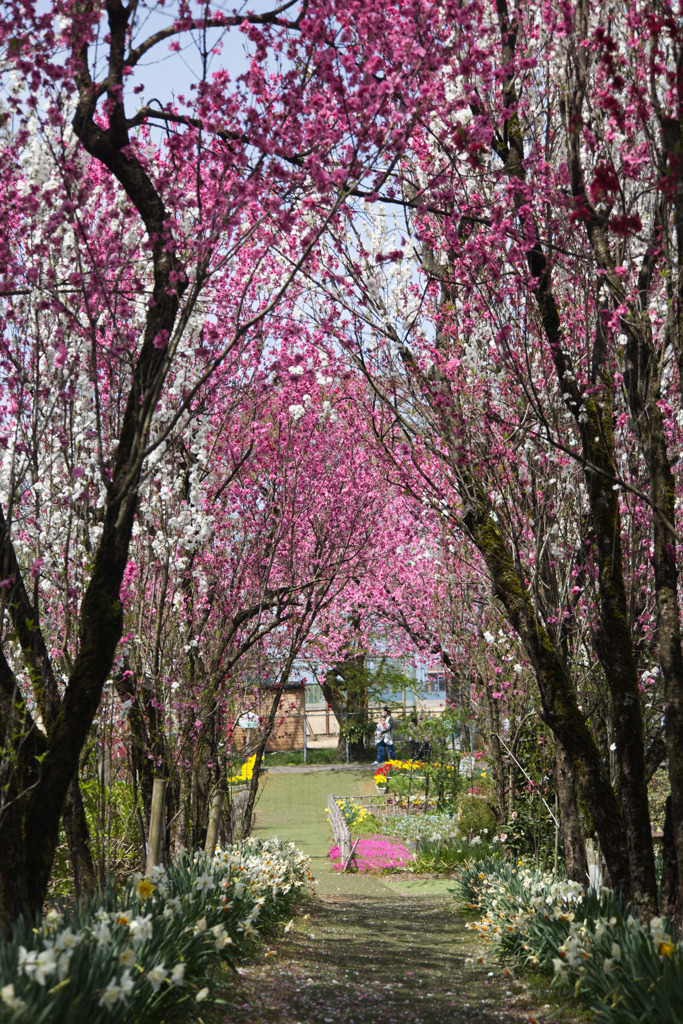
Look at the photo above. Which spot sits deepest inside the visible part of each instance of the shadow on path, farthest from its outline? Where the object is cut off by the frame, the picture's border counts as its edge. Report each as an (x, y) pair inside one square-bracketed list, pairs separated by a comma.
[(372, 960)]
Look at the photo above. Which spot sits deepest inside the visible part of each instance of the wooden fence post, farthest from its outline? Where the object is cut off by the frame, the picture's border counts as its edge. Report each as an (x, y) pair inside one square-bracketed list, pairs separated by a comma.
[(215, 812), (157, 822)]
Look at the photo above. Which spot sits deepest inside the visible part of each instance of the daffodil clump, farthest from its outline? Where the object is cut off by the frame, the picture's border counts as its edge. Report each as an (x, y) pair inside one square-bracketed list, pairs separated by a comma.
[(119, 958), (246, 772), (628, 972), (353, 812)]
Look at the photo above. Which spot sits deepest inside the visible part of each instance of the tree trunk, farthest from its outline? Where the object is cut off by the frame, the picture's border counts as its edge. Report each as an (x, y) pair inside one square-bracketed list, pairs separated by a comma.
[(670, 880), (247, 818), (652, 436), (181, 838), (32, 821), (146, 746), (337, 702), (570, 824), (357, 710), (345, 688), (496, 754), (78, 841), (559, 707), (614, 642), (614, 645)]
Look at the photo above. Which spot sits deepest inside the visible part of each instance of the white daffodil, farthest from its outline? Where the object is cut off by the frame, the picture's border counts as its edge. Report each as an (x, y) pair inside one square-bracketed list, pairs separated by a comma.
[(559, 967), (172, 906), (26, 962), (177, 974), (156, 976), (102, 934), (12, 1001), (66, 939), (658, 929), (45, 965), (222, 938), (141, 928), (157, 873), (111, 995), (126, 984)]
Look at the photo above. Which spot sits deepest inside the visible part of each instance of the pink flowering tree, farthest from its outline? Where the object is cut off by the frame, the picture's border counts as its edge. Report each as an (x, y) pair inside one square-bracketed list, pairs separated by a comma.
[(146, 240), (284, 515), (518, 324)]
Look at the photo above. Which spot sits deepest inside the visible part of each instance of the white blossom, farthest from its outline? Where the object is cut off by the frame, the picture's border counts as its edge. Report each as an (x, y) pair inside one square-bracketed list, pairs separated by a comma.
[(156, 976)]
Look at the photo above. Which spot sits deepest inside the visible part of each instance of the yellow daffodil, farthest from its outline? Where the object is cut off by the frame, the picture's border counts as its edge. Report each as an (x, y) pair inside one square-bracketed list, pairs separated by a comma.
[(145, 888)]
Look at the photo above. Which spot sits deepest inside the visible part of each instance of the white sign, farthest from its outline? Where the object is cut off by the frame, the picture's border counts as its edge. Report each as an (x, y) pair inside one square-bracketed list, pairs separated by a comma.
[(248, 720)]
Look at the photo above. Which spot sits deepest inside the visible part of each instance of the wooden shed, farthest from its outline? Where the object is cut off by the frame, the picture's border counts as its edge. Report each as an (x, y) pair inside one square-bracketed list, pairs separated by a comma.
[(289, 729)]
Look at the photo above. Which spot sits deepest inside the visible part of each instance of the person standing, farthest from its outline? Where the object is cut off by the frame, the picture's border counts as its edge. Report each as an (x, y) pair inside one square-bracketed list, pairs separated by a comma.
[(387, 724), (381, 755)]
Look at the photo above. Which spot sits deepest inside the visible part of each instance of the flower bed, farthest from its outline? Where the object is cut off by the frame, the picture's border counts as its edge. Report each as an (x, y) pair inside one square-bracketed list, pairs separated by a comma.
[(625, 971), (374, 854), (156, 941), (404, 769), (412, 827), (406, 779)]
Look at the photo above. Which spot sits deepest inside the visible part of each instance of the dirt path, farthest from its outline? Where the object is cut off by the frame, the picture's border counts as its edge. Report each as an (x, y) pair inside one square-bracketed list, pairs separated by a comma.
[(375, 960), (367, 950)]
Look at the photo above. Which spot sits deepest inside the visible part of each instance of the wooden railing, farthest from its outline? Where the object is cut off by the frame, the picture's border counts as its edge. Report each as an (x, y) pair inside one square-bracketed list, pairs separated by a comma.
[(340, 829), (379, 804)]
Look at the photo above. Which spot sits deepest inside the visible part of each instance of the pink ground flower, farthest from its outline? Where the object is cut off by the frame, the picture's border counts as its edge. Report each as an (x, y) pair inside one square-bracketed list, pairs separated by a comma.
[(376, 853)]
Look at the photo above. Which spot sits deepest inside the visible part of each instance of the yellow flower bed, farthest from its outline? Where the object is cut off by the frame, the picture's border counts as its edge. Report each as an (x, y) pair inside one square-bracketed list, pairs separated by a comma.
[(246, 773), (409, 766)]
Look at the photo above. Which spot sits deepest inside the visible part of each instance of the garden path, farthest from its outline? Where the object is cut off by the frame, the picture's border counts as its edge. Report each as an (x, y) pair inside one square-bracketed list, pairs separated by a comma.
[(367, 949)]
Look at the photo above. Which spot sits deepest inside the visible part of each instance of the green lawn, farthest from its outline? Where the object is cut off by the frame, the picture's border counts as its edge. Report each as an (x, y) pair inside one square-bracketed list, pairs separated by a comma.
[(292, 807)]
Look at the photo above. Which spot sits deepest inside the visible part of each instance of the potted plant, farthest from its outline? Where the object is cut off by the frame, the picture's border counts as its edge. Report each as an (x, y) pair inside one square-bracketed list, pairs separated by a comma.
[(381, 784)]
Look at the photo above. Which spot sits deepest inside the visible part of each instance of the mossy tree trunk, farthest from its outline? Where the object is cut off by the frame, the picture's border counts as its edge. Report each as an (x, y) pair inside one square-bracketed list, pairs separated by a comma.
[(559, 706), (643, 365), (593, 416), (614, 643)]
